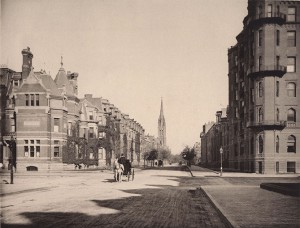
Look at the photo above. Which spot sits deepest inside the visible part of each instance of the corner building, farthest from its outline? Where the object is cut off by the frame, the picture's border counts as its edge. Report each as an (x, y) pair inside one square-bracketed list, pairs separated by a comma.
[(264, 90)]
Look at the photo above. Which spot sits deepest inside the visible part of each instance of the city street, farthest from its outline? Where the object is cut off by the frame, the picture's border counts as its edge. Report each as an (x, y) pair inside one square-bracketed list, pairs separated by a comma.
[(166, 197)]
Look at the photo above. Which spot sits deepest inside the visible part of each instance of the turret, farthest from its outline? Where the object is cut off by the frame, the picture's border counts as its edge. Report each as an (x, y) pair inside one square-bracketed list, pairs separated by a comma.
[(27, 62)]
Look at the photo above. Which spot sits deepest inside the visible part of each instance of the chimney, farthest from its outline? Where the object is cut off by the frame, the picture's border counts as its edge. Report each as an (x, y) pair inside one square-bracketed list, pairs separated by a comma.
[(27, 62)]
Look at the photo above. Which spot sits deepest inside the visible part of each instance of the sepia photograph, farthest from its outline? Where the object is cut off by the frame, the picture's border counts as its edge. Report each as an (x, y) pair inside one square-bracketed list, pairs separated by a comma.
[(149, 113)]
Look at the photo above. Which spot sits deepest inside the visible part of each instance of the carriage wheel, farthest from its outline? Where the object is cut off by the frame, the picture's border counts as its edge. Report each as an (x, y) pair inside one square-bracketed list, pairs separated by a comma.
[(132, 174)]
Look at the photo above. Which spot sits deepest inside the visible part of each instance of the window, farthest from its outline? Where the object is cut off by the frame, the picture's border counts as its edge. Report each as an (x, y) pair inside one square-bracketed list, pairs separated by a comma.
[(32, 148), (277, 115), (91, 132), (37, 99), (291, 38), (91, 116), (277, 167), (260, 144), (260, 63), (291, 64), (27, 99), (260, 38), (91, 153), (260, 115), (278, 10), (291, 115), (291, 167), (277, 62), (101, 135), (260, 89), (56, 151), (56, 124), (277, 88), (277, 37), (101, 153), (291, 17), (269, 11), (277, 144), (31, 99), (69, 128), (16, 83), (291, 89), (291, 144)]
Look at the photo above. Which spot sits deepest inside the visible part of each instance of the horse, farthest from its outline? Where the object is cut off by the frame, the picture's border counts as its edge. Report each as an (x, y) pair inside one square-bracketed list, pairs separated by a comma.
[(118, 171)]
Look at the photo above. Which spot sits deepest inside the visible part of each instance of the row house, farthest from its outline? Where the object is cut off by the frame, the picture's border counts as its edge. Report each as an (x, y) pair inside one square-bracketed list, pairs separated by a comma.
[(44, 125), (264, 92)]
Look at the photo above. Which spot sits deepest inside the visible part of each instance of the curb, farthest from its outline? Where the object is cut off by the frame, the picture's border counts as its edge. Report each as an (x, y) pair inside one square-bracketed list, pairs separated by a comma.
[(226, 218)]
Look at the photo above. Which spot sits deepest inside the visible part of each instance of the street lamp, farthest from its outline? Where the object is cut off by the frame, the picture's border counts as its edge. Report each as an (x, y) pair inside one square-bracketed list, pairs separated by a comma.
[(221, 153)]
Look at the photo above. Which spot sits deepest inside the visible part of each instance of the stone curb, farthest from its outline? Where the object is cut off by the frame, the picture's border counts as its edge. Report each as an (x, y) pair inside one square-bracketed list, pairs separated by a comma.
[(226, 218)]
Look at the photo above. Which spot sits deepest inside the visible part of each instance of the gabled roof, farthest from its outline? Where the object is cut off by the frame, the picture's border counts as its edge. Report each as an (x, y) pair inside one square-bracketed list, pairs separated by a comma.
[(84, 103), (32, 84), (49, 83)]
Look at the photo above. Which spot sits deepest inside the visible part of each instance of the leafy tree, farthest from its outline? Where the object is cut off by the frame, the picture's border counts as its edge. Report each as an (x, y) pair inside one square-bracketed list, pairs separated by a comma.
[(152, 156), (164, 154), (188, 154)]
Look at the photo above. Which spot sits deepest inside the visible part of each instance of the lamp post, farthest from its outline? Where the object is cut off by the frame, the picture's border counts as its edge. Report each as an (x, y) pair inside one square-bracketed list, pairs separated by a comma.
[(11, 160), (221, 153)]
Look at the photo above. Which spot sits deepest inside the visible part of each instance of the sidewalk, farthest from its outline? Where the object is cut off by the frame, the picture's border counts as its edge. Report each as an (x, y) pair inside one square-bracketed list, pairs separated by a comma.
[(251, 206)]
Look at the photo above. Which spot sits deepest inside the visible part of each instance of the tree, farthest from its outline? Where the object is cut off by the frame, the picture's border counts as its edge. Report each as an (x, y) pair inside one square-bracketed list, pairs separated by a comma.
[(152, 156), (164, 154), (188, 155)]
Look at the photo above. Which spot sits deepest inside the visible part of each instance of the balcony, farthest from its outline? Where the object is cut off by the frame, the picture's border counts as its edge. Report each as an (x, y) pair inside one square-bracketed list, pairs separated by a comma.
[(267, 125), (291, 124), (266, 70), (273, 18)]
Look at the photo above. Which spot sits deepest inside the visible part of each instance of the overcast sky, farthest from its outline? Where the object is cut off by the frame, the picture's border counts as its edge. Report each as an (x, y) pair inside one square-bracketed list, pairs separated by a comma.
[(133, 52)]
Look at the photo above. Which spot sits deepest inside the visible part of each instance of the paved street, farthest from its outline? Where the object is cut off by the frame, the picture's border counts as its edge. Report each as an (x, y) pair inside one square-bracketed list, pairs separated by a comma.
[(156, 198)]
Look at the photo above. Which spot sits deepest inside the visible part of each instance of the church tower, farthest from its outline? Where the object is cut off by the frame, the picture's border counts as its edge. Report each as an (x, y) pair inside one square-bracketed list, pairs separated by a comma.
[(162, 127)]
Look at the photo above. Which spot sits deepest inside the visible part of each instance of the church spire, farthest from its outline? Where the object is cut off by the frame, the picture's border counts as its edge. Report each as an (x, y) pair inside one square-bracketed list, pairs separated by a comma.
[(162, 126), (161, 109)]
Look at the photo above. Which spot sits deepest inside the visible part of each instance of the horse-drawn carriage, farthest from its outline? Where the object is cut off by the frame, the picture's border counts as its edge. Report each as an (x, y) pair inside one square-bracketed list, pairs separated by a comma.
[(124, 169)]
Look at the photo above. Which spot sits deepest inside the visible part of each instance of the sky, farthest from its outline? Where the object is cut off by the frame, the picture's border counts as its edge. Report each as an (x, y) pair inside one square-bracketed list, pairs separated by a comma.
[(133, 53)]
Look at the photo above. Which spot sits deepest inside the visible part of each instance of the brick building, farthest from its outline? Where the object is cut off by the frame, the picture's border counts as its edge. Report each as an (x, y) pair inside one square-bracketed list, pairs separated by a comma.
[(44, 125), (264, 92)]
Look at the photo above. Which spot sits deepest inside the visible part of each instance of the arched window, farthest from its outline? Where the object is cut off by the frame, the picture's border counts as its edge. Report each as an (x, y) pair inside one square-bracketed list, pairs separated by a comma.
[(291, 89), (291, 115), (291, 144), (277, 115), (260, 144), (260, 115), (277, 144)]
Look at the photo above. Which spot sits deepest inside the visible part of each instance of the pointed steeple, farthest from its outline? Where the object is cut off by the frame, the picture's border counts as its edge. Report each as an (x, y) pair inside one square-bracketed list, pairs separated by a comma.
[(162, 126), (161, 110)]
